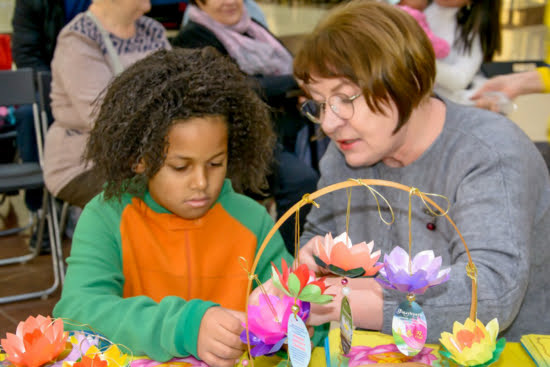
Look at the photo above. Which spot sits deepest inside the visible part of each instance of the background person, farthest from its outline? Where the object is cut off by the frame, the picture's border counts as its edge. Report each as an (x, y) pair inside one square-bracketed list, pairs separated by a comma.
[(91, 49), (472, 29)]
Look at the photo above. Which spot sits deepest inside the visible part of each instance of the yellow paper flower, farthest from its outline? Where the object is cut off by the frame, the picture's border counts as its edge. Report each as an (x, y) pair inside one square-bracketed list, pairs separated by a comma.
[(471, 344)]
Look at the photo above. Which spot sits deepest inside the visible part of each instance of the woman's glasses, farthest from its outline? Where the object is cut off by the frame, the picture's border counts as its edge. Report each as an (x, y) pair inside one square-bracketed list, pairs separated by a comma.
[(341, 105)]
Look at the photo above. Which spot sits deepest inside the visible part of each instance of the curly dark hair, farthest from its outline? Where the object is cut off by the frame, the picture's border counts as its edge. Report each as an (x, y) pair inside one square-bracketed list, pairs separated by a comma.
[(142, 103)]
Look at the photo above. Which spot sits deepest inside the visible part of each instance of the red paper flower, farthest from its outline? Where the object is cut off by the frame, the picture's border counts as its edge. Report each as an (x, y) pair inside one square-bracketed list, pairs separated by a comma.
[(300, 283)]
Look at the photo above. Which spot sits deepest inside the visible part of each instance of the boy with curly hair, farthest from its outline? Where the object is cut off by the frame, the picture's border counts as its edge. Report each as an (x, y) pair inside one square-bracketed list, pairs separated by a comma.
[(155, 258)]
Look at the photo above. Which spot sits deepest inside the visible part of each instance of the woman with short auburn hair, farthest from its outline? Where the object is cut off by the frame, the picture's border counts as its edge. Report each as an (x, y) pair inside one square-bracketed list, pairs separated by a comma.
[(369, 70)]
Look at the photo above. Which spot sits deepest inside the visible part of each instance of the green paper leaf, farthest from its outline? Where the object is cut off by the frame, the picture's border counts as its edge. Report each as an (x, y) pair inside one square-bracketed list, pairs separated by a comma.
[(352, 273), (312, 293), (293, 285), (320, 262), (323, 299)]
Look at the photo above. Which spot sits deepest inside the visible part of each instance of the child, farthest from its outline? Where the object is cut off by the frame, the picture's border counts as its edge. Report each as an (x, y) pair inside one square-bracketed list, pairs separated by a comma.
[(155, 258)]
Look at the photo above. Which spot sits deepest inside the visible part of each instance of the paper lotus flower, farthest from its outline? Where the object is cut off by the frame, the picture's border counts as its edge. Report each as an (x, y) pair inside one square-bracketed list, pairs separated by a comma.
[(341, 257), (473, 344), (424, 273), (361, 355), (266, 331), (300, 283), (36, 341)]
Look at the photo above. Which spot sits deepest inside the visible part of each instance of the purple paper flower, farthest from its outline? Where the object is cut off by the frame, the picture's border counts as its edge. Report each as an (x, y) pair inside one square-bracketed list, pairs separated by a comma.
[(425, 271), (267, 332), (388, 353)]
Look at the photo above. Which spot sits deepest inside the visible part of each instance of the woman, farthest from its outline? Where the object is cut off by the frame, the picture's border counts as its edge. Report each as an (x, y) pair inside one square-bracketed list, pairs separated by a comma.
[(226, 26), (94, 47), (472, 29), (376, 105)]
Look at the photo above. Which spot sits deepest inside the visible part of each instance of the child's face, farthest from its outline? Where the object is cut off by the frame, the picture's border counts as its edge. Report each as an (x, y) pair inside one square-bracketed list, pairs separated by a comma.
[(192, 176)]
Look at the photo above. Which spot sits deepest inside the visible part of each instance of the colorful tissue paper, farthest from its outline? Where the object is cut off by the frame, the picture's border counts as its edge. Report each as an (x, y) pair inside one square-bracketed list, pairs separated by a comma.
[(473, 344), (37, 340), (425, 271), (268, 321), (341, 257), (300, 283), (174, 362), (387, 353)]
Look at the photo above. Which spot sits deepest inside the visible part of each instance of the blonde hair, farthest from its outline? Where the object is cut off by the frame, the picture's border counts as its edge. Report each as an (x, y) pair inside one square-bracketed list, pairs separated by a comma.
[(375, 45)]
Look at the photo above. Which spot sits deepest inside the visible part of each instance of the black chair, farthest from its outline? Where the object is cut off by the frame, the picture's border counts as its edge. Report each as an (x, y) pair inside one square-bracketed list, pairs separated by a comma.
[(18, 88)]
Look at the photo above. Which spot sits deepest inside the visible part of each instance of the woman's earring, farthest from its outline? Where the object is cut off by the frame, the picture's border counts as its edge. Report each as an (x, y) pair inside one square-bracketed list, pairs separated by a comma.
[(469, 6)]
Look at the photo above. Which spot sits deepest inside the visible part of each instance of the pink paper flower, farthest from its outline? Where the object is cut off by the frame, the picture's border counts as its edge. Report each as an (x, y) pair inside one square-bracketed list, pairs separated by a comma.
[(388, 353), (267, 331)]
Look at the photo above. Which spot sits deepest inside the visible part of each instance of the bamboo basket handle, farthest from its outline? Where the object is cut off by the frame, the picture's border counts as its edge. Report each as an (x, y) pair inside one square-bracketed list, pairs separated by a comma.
[(343, 185)]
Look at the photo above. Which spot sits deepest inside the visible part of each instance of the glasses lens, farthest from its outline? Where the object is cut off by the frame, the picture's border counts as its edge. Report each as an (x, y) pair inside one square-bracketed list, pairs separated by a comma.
[(312, 110), (342, 106)]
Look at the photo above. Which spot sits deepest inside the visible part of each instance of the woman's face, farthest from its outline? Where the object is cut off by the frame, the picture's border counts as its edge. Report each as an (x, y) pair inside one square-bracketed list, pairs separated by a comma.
[(367, 137), (226, 12), (452, 3)]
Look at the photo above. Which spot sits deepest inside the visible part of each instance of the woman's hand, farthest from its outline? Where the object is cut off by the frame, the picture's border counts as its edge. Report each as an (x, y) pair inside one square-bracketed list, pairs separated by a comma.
[(511, 85), (305, 256), (219, 343)]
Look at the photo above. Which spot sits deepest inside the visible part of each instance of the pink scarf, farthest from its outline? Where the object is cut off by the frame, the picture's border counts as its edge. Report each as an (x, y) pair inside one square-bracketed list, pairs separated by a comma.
[(257, 52)]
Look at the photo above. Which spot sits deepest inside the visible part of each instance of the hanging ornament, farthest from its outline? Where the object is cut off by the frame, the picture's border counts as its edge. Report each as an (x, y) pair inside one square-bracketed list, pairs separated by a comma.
[(299, 343), (346, 320), (409, 327)]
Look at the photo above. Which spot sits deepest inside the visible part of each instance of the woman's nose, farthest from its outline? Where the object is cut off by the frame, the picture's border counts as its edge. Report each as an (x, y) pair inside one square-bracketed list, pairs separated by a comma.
[(331, 121)]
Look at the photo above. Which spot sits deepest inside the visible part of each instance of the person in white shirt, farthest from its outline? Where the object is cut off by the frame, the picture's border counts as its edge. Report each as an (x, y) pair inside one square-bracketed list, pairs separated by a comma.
[(472, 29)]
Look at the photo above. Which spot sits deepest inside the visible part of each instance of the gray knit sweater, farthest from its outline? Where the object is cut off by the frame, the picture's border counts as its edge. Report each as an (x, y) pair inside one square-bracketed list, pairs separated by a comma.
[(499, 189)]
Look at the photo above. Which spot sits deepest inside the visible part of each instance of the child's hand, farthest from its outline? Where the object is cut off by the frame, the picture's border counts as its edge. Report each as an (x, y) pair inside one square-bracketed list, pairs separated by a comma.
[(219, 342)]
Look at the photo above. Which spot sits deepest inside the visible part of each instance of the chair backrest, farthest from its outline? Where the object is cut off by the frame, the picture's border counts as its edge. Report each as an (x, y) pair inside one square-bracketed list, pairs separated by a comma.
[(17, 87), (44, 83)]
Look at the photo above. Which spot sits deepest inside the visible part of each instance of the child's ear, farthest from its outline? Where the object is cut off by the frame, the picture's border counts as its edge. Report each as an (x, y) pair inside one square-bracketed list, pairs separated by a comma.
[(139, 167)]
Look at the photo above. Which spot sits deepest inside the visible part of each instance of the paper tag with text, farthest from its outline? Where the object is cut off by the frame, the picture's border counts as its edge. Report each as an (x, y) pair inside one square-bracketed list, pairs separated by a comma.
[(409, 328), (299, 343)]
